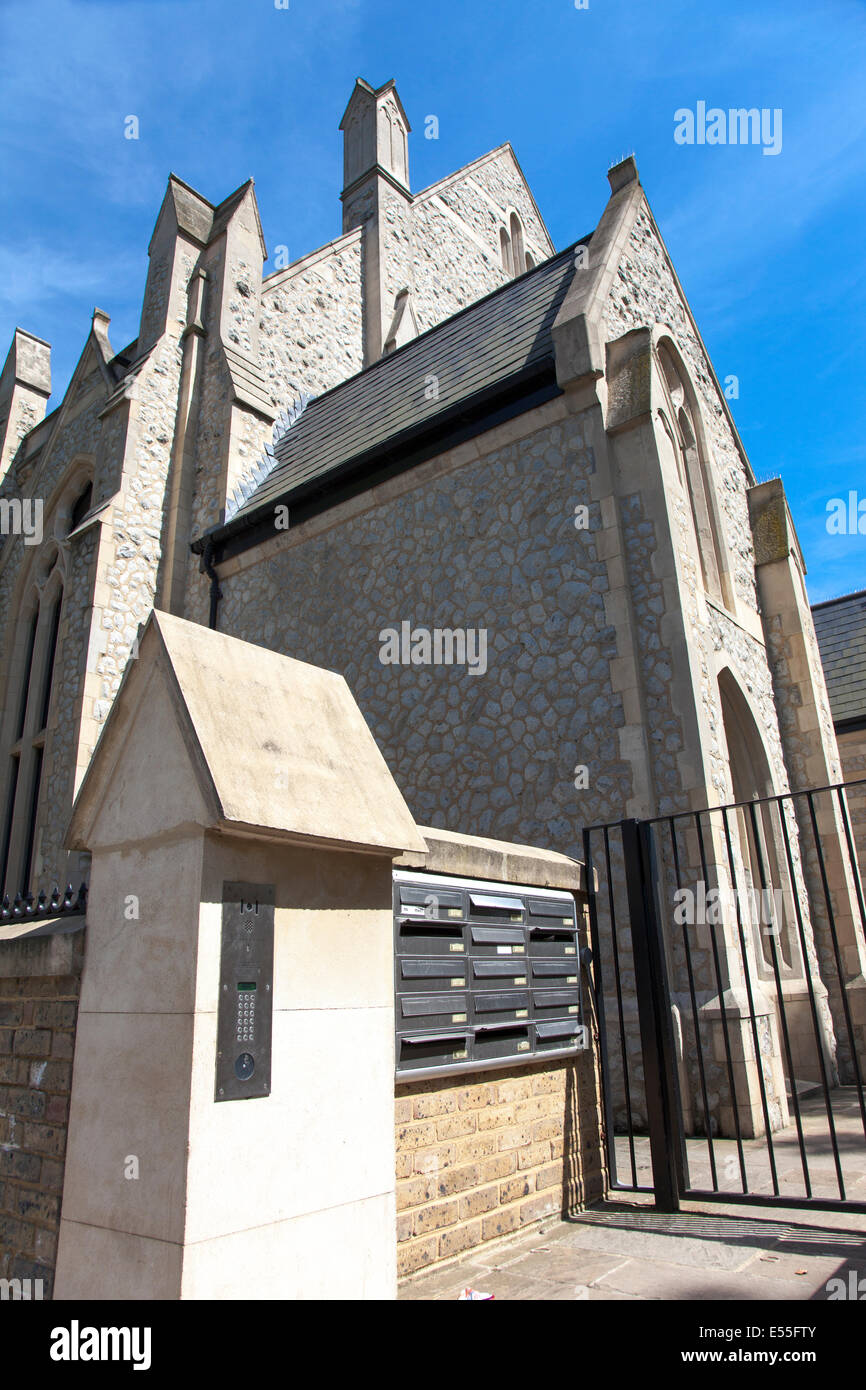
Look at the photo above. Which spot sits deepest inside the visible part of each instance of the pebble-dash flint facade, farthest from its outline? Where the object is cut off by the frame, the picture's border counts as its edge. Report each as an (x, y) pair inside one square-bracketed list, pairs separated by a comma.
[(606, 632), (434, 423)]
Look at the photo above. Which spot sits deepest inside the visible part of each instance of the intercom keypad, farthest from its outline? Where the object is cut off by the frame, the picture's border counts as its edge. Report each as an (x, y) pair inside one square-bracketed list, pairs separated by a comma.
[(243, 1061)]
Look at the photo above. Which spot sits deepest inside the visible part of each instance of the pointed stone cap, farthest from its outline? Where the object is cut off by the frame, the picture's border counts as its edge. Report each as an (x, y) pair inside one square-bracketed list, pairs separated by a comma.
[(99, 328), (185, 210), (375, 129), (579, 332), (28, 363), (210, 732)]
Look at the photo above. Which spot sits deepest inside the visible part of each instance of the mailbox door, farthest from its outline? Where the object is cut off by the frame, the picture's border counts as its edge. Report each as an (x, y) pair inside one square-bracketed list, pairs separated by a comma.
[(431, 974), (433, 904), (418, 937), (553, 941), (510, 1007), (507, 908), (552, 927), (557, 1035), (496, 1040), (550, 912), (548, 974), (499, 972), (417, 1050), (498, 940), (556, 1003), (427, 1011)]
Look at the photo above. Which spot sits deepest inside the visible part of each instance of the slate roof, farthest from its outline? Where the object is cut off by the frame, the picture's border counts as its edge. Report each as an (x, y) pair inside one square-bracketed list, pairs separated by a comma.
[(840, 625), (496, 341)]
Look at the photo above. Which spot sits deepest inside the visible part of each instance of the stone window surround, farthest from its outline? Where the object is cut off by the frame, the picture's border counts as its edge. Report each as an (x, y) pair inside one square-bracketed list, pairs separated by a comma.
[(512, 242), (41, 591), (664, 342)]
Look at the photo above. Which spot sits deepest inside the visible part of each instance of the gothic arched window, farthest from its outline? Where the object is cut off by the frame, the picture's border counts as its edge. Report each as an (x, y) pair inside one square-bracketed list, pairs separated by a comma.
[(515, 259), (695, 474), (81, 507), (505, 249), (757, 835), (38, 653), (518, 254)]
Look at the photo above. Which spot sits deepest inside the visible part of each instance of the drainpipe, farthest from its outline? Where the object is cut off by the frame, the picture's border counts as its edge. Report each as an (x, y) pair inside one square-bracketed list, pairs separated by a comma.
[(216, 592)]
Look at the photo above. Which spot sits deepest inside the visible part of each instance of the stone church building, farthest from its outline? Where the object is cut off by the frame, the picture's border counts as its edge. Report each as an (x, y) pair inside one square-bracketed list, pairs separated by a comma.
[(494, 485), (501, 438)]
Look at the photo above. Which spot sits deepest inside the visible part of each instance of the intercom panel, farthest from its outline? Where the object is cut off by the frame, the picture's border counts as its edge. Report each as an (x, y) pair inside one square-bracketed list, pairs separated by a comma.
[(245, 1009)]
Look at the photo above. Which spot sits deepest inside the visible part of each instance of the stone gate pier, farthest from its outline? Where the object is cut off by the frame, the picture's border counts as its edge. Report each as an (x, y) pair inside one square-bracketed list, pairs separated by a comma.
[(211, 1098), (224, 764)]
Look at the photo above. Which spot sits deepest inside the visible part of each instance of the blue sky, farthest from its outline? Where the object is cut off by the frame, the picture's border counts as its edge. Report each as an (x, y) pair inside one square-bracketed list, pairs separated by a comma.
[(769, 248)]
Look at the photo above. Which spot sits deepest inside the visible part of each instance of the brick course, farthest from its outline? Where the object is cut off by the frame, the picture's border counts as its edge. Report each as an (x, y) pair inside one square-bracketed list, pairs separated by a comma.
[(38, 1014), (482, 1156)]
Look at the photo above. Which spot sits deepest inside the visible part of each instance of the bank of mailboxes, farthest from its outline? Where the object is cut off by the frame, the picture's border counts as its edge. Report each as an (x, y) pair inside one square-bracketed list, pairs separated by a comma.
[(486, 974)]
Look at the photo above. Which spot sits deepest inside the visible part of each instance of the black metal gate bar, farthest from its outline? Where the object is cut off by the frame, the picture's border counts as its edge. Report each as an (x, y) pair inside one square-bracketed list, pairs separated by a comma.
[(769, 846), (702, 1071), (598, 991), (661, 1089), (598, 972), (846, 1008), (780, 996), (614, 938), (813, 1003), (720, 994)]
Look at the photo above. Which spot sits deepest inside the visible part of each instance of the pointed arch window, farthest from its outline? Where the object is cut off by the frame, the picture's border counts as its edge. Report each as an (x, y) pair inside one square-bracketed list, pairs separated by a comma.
[(518, 253), (81, 507), (695, 475), (33, 704), (757, 831), (505, 249), (27, 700), (515, 258)]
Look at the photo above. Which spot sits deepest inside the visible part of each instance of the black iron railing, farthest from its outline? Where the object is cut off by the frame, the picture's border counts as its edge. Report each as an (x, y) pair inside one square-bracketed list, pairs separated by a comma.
[(26, 907), (729, 947)]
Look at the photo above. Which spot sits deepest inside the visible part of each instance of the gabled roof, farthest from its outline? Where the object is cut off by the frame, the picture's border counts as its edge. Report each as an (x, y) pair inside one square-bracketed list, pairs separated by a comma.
[(251, 741), (494, 344), (840, 625)]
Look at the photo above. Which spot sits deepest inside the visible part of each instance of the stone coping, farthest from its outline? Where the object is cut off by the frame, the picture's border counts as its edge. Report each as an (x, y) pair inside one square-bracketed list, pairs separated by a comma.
[(46, 926), (472, 856)]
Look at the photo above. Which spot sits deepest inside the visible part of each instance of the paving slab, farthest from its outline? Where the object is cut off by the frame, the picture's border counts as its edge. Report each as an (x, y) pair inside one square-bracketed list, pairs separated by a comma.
[(624, 1249), (697, 1285), (620, 1250)]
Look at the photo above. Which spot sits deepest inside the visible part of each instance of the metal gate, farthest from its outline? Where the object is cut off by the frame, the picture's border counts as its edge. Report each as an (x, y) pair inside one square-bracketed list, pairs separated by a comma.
[(729, 980)]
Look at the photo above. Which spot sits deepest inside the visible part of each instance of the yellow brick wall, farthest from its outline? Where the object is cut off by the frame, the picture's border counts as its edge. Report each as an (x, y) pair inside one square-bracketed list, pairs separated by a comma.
[(487, 1153)]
